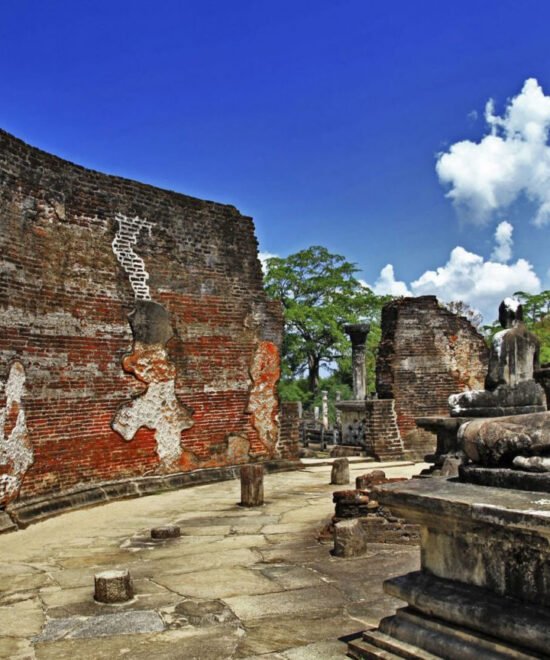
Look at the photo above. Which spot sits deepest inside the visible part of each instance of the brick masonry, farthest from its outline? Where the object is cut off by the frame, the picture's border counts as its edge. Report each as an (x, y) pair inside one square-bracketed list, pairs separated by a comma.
[(426, 354), (84, 396), (385, 442)]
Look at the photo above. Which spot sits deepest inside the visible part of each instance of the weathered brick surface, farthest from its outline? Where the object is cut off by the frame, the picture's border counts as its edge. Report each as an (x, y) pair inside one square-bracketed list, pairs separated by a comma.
[(64, 304), (426, 354), (289, 434), (382, 432)]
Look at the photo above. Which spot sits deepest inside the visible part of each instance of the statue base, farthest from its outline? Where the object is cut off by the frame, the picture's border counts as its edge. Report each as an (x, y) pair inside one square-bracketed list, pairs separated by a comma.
[(483, 588), (521, 399)]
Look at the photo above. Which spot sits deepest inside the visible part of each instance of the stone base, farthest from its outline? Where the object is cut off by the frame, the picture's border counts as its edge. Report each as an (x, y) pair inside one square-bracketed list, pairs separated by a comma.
[(524, 398), (446, 619), (445, 429), (483, 590)]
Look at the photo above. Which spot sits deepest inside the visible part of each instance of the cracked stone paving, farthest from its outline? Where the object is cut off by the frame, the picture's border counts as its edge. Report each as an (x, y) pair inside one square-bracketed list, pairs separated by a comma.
[(238, 583)]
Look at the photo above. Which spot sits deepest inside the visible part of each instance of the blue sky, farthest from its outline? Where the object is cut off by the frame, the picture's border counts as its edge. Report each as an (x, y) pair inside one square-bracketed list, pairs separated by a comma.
[(323, 120)]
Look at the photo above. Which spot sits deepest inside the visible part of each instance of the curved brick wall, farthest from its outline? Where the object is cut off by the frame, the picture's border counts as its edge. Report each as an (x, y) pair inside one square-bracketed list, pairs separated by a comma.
[(90, 394)]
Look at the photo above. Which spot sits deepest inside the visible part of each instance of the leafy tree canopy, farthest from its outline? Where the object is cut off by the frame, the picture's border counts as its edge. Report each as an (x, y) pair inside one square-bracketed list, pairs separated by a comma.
[(536, 315), (463, 309), (319, 293)]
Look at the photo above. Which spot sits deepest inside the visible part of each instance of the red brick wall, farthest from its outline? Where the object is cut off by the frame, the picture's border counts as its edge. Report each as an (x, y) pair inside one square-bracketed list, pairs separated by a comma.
[(64, 301), (426, 354)]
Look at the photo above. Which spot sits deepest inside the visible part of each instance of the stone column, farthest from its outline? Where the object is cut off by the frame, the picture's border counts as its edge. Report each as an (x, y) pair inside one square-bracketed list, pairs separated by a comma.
[(338, 412), (358, 333), (252, 485), (324, 409)]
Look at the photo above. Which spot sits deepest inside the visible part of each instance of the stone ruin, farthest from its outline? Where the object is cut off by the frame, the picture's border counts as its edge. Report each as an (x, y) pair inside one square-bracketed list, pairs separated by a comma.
[(138, 350), (426, 353), (483, 590), (378, 523)]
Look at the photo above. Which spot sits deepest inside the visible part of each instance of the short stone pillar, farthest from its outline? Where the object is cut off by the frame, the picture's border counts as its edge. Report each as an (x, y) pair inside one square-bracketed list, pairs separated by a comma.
[(350, 538), (324, 409), (340, 472), (113, 586), (252, 485), (338, 412), (166, 532), (358, 333)]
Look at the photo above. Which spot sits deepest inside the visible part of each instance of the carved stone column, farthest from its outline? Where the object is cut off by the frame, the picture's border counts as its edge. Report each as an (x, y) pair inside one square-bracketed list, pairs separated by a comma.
[(358, 333)]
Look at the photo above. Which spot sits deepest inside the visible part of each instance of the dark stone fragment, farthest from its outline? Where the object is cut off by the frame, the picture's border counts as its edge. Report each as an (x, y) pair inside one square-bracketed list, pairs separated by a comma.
[(150, 323), (166, 532)]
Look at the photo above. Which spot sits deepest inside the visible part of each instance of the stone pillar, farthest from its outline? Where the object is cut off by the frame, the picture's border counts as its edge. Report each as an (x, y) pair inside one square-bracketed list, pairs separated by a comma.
[(358, 333), (338, 412), (316, 413), (324, 409), (339, 474), (113, 586), (252, 485)]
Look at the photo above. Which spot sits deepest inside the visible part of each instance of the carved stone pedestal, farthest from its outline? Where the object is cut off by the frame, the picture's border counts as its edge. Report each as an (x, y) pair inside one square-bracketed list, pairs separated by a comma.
[(484, 587)]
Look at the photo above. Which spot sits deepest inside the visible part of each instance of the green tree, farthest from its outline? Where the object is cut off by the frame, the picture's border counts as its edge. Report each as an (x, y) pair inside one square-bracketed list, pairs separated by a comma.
[(536, 315), (319, 293), (461, 308)]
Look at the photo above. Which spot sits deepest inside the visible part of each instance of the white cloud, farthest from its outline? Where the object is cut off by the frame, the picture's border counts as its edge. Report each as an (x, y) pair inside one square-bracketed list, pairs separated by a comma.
[(482, 284), (469, 277), (513, 159), (387, 284), (503, 239)]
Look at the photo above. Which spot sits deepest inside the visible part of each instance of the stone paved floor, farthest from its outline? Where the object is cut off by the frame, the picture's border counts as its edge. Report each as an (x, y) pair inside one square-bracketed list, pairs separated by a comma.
[(280, 594)]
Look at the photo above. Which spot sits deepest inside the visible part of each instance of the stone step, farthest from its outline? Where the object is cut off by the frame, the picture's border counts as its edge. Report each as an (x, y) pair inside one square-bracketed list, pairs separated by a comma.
[(448, 641), (472, 608), (395, 646), (362, 650)]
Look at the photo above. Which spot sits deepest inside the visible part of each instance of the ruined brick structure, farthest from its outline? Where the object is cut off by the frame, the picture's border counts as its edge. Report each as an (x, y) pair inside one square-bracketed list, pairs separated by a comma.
[(135, 335), (426, 354)]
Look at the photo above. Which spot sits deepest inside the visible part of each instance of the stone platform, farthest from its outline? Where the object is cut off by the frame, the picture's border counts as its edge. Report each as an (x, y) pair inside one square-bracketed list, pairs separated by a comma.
[(484, 586)]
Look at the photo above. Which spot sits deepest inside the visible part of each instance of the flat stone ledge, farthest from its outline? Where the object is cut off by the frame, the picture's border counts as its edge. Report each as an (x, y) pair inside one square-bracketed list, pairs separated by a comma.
[(426, 501), (26, 512), (505, 478)]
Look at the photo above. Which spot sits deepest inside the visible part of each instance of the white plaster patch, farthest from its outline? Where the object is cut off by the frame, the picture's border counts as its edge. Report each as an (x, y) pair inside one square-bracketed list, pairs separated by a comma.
[(158, 408), (16, 451), (133, 265)]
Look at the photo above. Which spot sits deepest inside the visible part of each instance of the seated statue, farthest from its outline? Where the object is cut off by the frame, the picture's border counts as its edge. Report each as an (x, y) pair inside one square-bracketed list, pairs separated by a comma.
[(514, 353), (509, 385)]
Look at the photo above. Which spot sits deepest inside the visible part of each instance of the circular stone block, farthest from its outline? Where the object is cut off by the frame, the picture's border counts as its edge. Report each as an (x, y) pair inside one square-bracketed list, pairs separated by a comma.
[(113, 586), (165, 532)]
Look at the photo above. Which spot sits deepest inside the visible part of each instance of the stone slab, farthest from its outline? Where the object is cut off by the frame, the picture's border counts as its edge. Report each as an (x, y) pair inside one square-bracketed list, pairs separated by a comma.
[(104, 625), (297, 602), (420, 499)]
